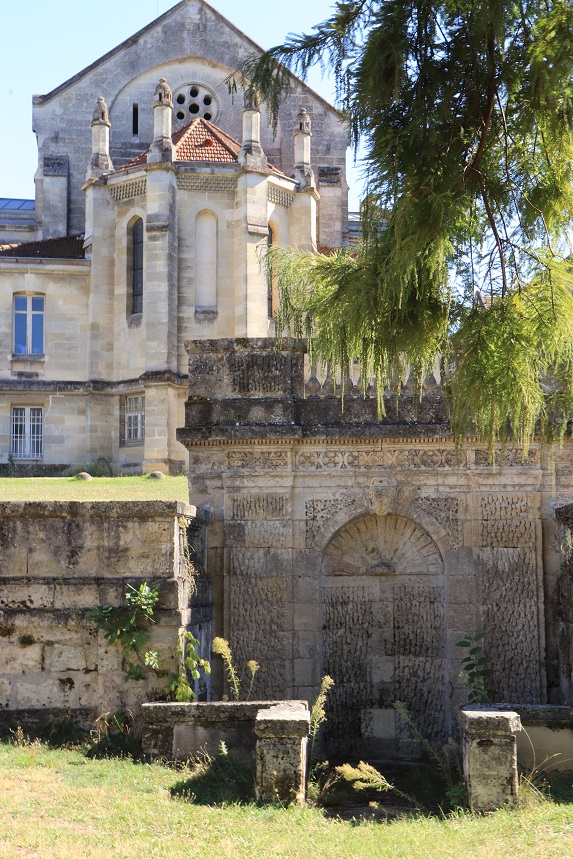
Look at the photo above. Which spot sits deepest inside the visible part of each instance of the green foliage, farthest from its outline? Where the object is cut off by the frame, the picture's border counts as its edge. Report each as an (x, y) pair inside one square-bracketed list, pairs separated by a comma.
[(221, 647), (466, 113), (115, 734), (445, 760), (476, 672), (318, 712), (128, 626), (178, 686), (215, 779)]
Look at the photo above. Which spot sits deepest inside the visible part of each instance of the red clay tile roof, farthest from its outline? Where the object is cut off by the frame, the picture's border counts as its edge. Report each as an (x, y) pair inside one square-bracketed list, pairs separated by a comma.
[(201, 140), (67, 247)]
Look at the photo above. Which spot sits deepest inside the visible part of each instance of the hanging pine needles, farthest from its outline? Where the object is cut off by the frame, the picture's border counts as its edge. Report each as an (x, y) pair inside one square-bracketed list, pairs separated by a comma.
[(466, 112)]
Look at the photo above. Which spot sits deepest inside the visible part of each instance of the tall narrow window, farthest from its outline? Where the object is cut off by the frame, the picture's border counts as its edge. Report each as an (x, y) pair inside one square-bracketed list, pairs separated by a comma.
[(28, 325), (135, 268), (135, 119), (272, 282), (270, 277), (206, 262), (27, 433)]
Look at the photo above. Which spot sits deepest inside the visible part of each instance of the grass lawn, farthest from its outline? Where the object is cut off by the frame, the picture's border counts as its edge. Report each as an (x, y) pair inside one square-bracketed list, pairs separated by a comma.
[(137, 488), (57, 804)]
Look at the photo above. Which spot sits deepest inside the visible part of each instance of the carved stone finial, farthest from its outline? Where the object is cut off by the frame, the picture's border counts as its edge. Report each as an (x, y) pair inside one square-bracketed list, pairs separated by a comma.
[(101, 113), (252, 100), (163, 94), (303, 121)]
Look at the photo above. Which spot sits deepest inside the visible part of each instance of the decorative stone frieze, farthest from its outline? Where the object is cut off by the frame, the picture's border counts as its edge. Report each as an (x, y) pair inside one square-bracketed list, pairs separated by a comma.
[(128, 190)]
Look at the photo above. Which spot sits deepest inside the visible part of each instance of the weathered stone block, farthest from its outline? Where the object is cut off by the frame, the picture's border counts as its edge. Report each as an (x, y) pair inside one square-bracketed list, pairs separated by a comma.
[(5, 688), (490, 758), (282, 733), (19, 658)]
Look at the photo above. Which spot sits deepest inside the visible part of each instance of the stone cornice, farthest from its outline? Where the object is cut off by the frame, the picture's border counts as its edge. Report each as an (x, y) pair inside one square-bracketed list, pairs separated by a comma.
[(94, 385)]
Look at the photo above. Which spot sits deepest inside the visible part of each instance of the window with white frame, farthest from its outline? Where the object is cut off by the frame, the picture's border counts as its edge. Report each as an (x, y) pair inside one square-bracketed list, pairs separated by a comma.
[(28, 325), (135, 419), (27, 432)]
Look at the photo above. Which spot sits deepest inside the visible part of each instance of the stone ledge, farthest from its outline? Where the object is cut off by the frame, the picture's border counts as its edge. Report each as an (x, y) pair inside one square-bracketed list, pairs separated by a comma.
[(211, 711), (486, 721), (96, 509), (283, 721)]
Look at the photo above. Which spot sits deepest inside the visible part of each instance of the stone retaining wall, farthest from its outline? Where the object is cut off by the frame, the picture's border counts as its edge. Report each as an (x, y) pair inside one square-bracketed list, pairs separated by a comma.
[(58, 560)]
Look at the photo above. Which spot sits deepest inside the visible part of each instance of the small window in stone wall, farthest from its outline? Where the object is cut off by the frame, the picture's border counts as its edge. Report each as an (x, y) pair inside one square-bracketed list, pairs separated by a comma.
[(272, 282), (27, 433), (132, 420), (135, 268), (193, 100), (28, 325)]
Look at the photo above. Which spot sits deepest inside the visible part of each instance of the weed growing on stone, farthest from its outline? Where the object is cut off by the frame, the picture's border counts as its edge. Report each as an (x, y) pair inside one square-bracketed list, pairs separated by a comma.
[(476, 672), (115, 734), (221, 648), (445, 760), (178, 686), (128, 626), (215, 779), (318, 712)]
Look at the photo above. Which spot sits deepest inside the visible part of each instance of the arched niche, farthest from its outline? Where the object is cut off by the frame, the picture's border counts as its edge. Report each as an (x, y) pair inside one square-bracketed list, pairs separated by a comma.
[(206, 261), (383, 634)]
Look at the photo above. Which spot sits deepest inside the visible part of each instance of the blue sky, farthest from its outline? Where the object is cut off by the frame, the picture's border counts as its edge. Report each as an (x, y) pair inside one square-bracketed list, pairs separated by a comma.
[(45, 42)]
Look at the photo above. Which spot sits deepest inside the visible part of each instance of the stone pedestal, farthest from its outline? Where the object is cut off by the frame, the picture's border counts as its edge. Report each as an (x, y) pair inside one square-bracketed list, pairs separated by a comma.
[(282, 733), (490, 756)]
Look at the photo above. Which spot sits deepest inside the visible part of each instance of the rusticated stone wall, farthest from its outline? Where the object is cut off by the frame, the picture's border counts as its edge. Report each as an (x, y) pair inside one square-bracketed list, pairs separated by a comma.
[(364, 548), (58, 560)]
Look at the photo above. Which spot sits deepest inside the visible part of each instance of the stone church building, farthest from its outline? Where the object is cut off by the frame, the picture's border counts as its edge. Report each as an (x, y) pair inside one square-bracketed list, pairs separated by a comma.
[(137, 325), (155, 190)]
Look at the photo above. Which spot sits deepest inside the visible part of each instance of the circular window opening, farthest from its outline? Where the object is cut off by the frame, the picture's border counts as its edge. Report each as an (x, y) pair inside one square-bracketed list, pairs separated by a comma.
[(192, 100)]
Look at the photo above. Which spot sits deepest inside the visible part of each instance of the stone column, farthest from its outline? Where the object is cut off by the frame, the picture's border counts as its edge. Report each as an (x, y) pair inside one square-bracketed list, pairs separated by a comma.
[(100, 161), (282, 733), (490, 756)]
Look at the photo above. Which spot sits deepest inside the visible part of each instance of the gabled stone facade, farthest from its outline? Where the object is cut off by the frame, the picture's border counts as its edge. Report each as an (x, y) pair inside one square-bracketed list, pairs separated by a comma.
[(174, 187), (194, 48)]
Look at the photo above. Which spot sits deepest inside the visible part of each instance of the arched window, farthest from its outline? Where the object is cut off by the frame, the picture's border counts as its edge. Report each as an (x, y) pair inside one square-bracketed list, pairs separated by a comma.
[(135, 267), (205, 262)]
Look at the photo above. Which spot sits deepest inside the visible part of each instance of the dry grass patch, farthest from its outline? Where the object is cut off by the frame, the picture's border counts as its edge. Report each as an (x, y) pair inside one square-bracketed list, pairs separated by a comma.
[(57, 804), (136, 488)]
